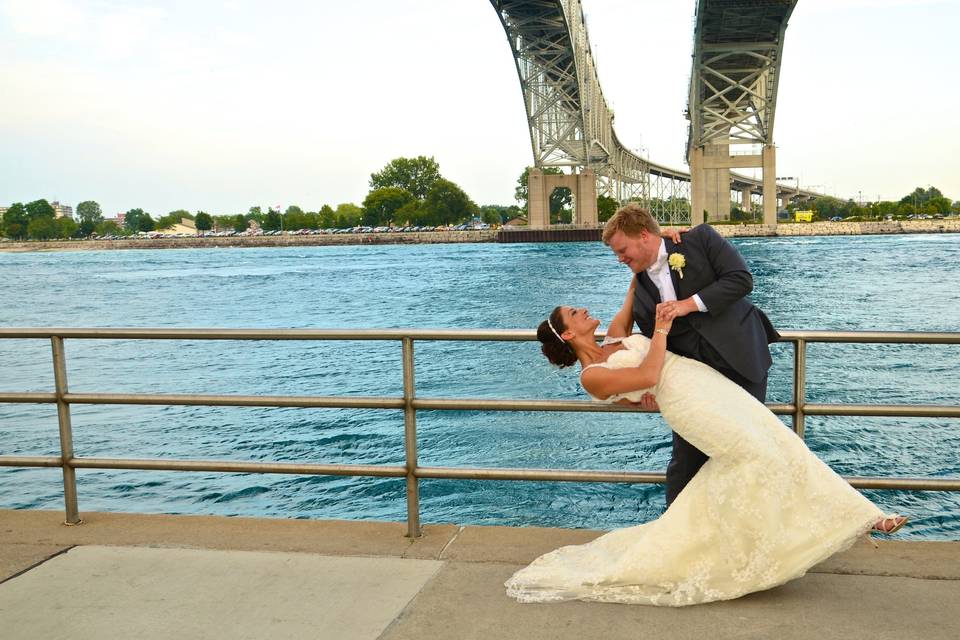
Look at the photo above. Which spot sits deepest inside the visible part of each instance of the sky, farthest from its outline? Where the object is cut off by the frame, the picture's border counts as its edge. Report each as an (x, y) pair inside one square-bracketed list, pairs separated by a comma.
[(223, 105)]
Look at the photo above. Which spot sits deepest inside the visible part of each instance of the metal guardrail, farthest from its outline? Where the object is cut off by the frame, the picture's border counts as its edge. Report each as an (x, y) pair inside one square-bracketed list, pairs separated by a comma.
[(798, 409)]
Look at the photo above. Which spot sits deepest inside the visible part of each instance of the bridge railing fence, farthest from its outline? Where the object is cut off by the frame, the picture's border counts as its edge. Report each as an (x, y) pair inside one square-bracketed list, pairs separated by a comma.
[(411, 404)]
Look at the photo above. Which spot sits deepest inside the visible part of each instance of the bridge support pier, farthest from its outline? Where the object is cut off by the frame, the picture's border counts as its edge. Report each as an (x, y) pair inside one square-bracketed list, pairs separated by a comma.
[(697, 191), (716, 180), (745, 203), (769, 185), (540, 185), (710, 182)]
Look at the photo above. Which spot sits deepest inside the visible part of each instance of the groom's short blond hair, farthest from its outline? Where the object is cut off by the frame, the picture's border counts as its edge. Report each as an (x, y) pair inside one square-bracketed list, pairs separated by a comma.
[(631, 218)]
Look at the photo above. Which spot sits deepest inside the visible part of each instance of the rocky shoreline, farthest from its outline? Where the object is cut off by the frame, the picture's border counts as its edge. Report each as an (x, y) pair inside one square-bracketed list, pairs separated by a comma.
[(486, 235)]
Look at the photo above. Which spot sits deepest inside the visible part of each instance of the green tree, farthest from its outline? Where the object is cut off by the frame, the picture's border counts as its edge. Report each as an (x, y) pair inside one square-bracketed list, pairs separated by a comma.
[(40, 209), (409, 214), (560, 198), (416, 175), (381, 205), (203, 221), (108, 228), (42, 228), (272, 221), (89, 215), (296, 218), (495, 213), (606, 207), (327, 217), (138, 220), (446, 203), (348, 215), (66, 227), (15, 221), (239, 223), (172, 218)]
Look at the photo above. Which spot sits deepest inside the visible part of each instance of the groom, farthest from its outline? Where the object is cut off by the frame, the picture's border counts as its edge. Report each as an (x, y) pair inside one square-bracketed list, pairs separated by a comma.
[(704, 282)]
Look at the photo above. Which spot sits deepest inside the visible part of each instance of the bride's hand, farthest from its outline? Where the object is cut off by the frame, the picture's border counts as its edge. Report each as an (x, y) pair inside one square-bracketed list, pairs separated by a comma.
[(664, 318), (673, 234)]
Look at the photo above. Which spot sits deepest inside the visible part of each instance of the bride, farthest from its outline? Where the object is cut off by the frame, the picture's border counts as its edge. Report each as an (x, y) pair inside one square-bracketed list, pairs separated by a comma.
[(759, 513)]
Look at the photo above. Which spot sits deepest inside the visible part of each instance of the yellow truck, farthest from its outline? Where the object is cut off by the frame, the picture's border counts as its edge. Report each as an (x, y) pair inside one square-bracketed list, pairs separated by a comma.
[(803, 216)]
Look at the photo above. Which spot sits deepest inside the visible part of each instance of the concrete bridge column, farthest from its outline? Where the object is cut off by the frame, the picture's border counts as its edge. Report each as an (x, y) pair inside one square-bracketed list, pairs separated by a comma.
[(745, 202), (538, 201), (769, 185), (585, 198), (717, 182), (697, 192)]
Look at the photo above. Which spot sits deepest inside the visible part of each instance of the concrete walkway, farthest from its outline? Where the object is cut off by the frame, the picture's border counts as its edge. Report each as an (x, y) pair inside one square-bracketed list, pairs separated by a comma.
[(148, 576)]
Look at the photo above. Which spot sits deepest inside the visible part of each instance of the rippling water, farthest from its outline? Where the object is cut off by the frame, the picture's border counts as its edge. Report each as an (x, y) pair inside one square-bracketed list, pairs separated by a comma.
[(870, 282)]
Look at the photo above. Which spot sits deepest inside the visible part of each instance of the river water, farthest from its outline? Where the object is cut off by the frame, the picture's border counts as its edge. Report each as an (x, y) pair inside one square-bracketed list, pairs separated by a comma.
[(903, 282)]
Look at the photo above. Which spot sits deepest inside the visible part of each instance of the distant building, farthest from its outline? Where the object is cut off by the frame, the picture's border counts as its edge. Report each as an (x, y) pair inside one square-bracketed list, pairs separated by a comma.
[(186, 225), (61, 210), (118, 219), (3, 210)]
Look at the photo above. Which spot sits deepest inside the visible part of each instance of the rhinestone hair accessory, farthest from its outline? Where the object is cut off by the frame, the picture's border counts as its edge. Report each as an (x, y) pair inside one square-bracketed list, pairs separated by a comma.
[(550, 324)]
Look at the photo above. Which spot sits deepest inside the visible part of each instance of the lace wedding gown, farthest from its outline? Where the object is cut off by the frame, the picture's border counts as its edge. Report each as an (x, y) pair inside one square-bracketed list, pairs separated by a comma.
[(760, 512)]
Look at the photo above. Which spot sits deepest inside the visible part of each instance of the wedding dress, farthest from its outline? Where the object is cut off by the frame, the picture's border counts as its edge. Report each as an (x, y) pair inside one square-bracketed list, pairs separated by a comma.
[(760, 512)]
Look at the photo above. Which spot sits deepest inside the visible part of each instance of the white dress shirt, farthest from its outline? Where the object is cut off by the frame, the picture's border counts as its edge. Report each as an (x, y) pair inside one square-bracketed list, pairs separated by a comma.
[(659, 273)]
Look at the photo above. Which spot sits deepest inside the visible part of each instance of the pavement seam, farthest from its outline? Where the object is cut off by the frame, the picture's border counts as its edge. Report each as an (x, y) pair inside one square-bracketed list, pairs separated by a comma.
[(37, 564), (450, 542), (410, 603)]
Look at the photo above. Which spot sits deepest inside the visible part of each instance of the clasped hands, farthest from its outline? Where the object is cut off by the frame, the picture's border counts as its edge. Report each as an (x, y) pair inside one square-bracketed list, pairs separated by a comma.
[(673, 309), (665, 315)]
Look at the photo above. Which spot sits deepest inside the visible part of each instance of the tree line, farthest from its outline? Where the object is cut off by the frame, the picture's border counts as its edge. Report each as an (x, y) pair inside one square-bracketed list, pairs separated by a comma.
[(406, 192), (929, 202), (411, 192)]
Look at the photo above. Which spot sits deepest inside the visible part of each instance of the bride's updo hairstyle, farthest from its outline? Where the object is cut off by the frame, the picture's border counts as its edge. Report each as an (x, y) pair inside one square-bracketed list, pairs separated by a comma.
[(553, 346)]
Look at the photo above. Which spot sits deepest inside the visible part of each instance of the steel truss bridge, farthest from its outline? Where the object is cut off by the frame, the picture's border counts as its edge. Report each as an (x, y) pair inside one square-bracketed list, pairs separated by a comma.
[(737, 50)]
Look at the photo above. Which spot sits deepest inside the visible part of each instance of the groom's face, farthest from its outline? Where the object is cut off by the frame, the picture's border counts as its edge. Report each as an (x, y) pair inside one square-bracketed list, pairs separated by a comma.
[(637, 252)]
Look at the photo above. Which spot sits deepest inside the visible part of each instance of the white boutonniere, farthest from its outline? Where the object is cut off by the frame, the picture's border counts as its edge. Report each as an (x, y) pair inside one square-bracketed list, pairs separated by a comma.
[(677, 262)]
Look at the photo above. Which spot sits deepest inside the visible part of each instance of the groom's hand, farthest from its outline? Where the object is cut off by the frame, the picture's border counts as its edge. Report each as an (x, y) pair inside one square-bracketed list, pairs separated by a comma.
[(648, 402), (677, 308)]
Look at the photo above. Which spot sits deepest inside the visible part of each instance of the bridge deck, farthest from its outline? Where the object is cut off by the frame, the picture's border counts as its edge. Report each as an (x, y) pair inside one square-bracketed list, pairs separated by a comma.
[(153, 576)]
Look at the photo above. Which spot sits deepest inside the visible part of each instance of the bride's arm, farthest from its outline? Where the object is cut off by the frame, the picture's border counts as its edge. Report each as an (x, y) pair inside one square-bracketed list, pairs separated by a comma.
[(602, 383), (622, 324)]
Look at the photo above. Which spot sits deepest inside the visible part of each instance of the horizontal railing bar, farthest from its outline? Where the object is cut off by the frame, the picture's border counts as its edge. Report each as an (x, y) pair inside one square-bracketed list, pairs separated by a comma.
[(28, 398), (452, 404), (496, 335), (31, 461), (271, 334), (562, 475), (910, 484), (861, 337), (478, 404), (229, 466), (448, 473), (886, 410), (336, 402)]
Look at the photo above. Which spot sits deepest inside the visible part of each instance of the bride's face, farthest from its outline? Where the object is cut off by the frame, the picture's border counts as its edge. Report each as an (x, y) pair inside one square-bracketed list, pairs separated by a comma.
[(578, 321)]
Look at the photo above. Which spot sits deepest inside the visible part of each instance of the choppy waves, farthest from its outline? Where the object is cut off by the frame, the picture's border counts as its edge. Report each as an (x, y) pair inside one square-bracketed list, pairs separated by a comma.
[(840, 283)]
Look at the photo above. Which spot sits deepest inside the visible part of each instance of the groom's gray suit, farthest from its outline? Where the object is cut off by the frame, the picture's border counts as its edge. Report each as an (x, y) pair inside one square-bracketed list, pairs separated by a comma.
[(731, 336)]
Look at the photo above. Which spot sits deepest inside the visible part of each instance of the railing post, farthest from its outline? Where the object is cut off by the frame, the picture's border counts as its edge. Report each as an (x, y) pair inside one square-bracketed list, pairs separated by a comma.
[(799, 386), (410, 441), (66, 433)]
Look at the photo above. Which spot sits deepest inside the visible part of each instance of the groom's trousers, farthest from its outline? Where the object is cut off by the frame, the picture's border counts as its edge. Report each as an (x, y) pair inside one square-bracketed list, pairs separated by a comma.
[(687, 459)]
